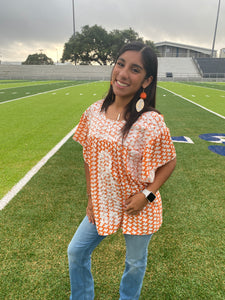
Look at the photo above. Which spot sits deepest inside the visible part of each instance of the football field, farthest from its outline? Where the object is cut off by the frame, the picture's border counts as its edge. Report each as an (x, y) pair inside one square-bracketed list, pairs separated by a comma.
[(186, 257)]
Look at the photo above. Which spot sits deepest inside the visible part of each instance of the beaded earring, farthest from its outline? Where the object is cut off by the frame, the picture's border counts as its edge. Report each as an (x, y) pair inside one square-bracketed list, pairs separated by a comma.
[(140, 103)]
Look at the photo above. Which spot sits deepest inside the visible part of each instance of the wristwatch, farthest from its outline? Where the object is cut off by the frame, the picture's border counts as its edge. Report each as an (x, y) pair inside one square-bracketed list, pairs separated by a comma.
[(149, 195)]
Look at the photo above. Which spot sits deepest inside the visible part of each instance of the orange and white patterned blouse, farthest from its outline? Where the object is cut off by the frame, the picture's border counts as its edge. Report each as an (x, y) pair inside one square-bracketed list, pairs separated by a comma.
[(119, 170)]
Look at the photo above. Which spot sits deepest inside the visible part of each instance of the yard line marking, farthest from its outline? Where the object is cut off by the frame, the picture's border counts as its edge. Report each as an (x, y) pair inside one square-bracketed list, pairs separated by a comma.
[(206, 87), (35, 94), (50, 91), (31, 85), (213, 112), (19, 185)]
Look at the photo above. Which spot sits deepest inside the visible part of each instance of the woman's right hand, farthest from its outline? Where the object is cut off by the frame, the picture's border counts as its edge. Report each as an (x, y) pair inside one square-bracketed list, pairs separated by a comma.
[(89, 212)]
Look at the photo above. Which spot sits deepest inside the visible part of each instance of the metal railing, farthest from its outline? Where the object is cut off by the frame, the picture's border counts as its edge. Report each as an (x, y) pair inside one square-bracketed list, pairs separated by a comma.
[(213, 75)]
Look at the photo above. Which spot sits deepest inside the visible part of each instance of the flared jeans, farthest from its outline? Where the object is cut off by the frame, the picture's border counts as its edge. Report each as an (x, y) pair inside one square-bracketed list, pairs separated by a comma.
[(85, 240)]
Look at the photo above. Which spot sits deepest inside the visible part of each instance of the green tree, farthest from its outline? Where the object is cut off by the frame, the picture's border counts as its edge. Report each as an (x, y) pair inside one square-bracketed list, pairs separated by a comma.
[(91, 45), (95, 45), (38, 59), (152, 45), (121, 37)]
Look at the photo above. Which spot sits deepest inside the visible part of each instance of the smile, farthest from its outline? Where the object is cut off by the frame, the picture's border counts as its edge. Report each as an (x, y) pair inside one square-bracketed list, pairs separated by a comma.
[(121, 84)]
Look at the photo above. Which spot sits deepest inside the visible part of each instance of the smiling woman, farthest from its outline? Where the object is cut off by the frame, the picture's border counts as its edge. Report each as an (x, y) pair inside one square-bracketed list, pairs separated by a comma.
[(128, 76), (128, 154), (140, 65)]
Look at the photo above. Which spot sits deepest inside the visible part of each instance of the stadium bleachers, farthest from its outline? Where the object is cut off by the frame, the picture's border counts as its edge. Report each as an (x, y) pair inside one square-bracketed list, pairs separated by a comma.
[(211, 67), (55, 72), (177, 68), (170, 68)]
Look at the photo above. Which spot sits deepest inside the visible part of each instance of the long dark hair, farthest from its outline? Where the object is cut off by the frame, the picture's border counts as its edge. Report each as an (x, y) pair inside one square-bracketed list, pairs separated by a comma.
[(150, 63)]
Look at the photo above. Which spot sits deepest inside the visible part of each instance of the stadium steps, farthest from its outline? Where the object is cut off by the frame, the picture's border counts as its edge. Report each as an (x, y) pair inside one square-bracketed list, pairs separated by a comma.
[(179, 68), (211, 67), (55, 72)]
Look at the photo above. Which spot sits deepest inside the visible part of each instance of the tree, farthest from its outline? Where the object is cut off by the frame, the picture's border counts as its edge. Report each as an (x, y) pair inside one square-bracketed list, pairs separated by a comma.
[(95, 45), (119, 38), (38, 59), (91, 45), (152, 45)]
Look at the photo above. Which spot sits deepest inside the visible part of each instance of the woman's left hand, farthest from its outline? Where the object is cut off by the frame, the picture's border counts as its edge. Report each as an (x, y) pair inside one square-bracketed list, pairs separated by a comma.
[(135, 204)]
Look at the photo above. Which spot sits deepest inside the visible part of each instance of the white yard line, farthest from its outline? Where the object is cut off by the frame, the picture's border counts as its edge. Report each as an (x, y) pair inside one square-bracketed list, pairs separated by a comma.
[(205, 87), (36, 94), (50, 91), (17, 187), (213, 112), (24, 86)]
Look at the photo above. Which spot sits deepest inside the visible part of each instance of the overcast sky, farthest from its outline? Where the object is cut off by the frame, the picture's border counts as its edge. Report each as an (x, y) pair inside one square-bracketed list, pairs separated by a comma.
[(26, 26)]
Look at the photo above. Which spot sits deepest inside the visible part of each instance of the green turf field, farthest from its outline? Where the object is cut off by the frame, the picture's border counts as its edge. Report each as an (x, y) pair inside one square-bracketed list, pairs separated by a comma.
[(211, 96), (30, 127), (186, 257), (17, 90)]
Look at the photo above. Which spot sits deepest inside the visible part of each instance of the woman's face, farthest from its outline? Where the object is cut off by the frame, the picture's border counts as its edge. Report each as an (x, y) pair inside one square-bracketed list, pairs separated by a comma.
[(128, 75)]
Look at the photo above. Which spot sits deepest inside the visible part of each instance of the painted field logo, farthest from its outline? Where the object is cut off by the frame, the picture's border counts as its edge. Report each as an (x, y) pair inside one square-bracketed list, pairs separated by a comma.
[(182, 139), (218, 138)]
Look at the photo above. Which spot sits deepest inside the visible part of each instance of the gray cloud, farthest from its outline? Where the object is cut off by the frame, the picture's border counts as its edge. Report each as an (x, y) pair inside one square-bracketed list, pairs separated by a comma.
[(28, 25)]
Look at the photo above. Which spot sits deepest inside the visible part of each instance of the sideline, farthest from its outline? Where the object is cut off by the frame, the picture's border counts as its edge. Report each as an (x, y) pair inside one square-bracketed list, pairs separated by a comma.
[(19, 185), (213, 112)]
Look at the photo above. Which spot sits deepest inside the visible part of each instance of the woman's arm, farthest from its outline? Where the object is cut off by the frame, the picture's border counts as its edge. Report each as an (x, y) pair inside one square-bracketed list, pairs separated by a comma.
[(89, 209), (137, 202)]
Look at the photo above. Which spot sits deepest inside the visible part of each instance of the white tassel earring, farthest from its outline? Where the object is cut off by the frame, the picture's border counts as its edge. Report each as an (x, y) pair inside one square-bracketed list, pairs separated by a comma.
[(140, 103)]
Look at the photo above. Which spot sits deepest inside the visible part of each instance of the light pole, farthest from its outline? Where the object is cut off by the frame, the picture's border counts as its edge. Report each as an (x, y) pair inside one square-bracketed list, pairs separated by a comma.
[(73, 18), (57, 56), (214, 38), (74, 29)]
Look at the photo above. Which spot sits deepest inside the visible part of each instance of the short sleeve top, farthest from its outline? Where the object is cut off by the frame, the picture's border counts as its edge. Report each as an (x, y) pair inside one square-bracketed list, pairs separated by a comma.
[(119, 169)]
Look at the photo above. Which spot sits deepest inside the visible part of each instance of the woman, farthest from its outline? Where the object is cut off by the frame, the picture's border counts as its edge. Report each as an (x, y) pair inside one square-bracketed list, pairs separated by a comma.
[(128, 155)]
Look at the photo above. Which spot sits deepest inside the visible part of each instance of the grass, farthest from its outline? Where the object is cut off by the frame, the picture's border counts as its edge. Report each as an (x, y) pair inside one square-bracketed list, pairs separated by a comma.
[(186, 256), (211, 98), (213, 85), (18, 83), (31, 127), (14, 90)]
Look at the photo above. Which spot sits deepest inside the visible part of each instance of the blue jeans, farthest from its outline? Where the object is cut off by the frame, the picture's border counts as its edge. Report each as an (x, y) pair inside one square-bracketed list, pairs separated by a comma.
[(85, 240)]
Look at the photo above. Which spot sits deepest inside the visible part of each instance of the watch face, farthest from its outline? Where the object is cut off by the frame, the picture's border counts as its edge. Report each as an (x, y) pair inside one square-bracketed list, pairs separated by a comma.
[(151, 197)]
